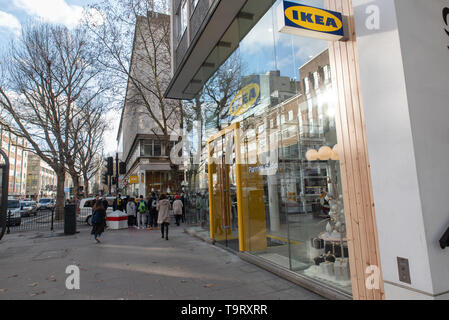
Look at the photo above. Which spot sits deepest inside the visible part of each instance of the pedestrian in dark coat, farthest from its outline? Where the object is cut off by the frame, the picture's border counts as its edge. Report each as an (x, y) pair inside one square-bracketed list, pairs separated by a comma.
[(98, 220), (183, 217), (105, 202)]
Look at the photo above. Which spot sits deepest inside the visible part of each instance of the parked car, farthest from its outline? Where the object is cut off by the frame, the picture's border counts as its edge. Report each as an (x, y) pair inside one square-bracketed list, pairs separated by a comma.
[(14, 217), (85, 209), (45, 204), (28, 208)]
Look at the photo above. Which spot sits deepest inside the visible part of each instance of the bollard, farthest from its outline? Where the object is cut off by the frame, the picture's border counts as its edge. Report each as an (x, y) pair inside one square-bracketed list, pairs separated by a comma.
[(70, 219), (9, 222), (52, 219)]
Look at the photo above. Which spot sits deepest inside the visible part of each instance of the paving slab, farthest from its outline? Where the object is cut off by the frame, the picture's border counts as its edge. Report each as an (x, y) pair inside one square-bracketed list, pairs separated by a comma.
[(133, 264)]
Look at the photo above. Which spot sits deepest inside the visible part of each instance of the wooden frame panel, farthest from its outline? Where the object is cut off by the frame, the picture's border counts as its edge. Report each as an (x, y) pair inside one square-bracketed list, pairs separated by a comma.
[(354, 163)]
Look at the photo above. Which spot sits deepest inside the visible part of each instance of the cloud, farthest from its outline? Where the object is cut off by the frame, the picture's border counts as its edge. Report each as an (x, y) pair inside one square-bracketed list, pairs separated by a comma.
[(54, 11), (110, 136), (10, 22)]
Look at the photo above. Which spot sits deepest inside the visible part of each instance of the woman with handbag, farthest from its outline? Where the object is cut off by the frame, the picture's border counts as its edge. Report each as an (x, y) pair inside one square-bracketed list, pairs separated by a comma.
[(98, 220)]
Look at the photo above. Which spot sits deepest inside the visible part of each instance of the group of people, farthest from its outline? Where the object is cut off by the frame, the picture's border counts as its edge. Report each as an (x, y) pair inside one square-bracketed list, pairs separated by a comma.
[(141, 213)]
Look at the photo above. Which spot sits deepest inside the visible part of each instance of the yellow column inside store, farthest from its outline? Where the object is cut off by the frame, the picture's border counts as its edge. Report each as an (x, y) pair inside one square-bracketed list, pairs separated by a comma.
[(250, 199), (250, 202)]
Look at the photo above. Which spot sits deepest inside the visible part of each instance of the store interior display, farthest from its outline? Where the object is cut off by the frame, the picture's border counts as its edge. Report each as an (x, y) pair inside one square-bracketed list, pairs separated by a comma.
[(329, 249)]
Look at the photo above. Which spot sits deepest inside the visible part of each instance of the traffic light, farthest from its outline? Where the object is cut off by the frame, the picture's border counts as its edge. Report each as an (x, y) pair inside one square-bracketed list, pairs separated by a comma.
[(110, 166), (122, 168), (105, 179)]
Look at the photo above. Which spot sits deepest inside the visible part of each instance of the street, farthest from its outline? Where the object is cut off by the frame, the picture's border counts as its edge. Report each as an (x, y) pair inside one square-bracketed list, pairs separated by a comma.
[(133, 264)]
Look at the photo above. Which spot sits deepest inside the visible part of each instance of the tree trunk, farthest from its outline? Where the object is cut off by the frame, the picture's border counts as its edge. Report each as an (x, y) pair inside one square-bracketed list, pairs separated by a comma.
[(59, 209), (86, 186), (76, 185)]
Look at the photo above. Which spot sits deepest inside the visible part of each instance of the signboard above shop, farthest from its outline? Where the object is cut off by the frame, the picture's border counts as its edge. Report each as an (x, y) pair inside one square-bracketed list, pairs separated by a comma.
[(302, 20)]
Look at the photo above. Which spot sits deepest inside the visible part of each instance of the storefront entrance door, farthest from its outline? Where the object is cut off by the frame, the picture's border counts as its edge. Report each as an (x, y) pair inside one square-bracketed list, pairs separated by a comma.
[(223, 188)]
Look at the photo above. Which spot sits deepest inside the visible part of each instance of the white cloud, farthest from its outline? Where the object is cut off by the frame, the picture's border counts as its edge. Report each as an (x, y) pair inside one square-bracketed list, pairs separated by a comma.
[(10, 22), (54, 11), (110, 135)]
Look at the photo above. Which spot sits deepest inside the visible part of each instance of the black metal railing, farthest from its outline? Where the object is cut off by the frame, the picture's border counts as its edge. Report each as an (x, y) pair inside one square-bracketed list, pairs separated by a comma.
[(42, 220)]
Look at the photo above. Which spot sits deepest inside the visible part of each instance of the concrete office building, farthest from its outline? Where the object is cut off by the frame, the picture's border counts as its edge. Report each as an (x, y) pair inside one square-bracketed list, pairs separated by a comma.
[(140, 140), (376, 103)]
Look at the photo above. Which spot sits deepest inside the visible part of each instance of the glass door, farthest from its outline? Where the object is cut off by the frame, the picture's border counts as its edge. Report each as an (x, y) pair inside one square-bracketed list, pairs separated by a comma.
[(223, 198)]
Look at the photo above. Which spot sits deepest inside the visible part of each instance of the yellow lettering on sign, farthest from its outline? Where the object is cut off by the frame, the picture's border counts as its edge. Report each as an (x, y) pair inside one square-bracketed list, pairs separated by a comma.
[(244, 99), (313, 19)]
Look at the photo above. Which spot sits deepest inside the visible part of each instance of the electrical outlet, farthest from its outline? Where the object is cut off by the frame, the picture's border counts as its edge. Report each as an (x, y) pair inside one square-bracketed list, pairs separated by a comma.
[(404, 270)]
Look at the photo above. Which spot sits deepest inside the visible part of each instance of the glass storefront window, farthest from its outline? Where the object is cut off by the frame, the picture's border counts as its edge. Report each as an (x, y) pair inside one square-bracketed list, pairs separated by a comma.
[(276, 189)]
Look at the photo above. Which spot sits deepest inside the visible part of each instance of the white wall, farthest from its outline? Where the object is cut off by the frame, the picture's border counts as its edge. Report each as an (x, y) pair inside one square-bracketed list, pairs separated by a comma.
[(404, 69)]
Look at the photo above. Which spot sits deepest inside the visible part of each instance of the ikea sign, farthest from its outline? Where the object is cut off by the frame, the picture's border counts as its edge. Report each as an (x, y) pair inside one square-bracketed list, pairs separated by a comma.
[(245, 99), (302, 20)]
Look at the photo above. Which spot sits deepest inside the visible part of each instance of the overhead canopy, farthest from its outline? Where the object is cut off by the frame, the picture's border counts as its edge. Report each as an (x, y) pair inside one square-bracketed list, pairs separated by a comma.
[(215, 41)]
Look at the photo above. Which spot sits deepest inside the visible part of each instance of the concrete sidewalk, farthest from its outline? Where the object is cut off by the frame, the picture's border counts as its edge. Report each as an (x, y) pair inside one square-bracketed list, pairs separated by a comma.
[(133, 264)]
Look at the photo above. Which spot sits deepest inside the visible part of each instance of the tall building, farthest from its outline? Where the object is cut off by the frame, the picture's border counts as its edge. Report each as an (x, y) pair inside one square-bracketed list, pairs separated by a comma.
[(41, 179), (15, 148), (339, 184), (141, 141)]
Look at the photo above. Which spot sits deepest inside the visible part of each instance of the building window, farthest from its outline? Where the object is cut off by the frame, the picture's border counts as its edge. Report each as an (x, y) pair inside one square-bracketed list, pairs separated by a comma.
[(147, 148), (157, 148), (182, 19), (306, 85), (290, 115), (172, 144), (316, 80), (327, 74)]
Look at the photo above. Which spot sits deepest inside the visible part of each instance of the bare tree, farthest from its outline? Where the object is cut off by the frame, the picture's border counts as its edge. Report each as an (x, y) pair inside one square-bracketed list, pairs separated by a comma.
[(142, 68), (45, 74), (91, 154), (221, 89), (84, 159)]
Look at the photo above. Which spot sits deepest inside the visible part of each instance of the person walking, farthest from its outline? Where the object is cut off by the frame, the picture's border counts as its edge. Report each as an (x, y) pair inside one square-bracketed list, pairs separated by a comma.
[(116, 203), (177, 209), (98, 220), (163, 208), (141, 210), (131, 211), (183, 217), (152, 204), (105, 202)]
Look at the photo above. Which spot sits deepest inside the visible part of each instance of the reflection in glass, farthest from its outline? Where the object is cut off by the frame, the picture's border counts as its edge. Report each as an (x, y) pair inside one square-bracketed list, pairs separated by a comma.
[(282, 201)]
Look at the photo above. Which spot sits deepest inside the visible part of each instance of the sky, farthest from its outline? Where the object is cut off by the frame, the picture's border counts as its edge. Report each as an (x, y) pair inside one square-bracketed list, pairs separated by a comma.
[(15, 13)]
